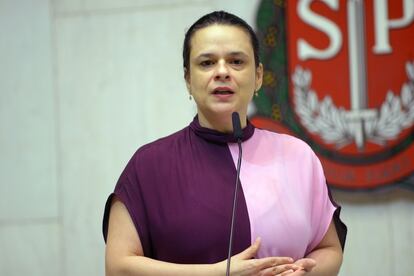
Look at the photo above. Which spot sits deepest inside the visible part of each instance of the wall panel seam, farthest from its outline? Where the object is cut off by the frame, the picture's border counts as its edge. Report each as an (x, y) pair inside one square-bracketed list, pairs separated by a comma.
[(126, 10)]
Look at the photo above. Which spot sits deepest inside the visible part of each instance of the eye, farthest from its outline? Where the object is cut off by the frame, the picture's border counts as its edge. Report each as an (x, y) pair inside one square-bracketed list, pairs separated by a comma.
[(206, 63), (237, 61)]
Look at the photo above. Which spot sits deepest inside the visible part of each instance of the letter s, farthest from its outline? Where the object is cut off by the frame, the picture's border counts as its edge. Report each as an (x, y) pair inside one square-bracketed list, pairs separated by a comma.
[(307, 51)]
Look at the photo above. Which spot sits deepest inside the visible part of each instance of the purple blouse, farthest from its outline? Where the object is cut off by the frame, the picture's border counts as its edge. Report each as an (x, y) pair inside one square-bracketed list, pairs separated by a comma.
[(179, 191)]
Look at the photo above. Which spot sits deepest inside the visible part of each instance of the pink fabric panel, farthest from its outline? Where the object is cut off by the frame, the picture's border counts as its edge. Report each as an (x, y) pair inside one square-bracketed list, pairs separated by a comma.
[(286, 194)]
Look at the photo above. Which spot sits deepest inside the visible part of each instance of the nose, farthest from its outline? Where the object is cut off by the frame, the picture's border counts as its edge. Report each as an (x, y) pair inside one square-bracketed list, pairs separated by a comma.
[(222, 71)]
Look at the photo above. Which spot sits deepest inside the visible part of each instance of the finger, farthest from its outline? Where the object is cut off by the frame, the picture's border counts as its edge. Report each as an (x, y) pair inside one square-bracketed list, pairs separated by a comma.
[(274, 261), (287, 272), (307, 263), (249, 252), (276, 270), (271, 262), (299, 272)]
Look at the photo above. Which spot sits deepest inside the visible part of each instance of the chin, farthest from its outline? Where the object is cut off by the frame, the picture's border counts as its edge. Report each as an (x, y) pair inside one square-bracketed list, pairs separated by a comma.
[(225, 110)]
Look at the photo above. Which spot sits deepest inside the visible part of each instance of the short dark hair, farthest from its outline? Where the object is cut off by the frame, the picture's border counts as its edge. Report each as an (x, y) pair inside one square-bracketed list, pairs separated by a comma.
[(221, 18)]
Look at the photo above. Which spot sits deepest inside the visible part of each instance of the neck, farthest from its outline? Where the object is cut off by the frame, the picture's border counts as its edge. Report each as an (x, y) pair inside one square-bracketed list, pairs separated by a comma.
[(220, 122)]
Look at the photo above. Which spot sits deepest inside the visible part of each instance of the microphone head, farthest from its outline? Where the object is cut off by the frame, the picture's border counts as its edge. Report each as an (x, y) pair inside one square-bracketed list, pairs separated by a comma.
[(237, 131)]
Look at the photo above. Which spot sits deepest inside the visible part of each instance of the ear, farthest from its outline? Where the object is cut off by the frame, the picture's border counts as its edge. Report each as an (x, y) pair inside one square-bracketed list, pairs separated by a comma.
[(259, 77), (187, 79)]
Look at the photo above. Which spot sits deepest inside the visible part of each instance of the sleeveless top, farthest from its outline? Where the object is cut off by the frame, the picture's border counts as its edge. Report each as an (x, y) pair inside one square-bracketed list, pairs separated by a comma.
[(179, 191)]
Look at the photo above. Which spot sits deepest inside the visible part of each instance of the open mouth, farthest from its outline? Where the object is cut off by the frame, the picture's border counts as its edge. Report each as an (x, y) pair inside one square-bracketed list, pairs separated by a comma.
[(223, 92)]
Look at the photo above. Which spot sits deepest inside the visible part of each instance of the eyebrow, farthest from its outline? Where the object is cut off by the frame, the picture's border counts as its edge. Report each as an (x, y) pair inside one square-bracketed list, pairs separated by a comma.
[(209, 55)]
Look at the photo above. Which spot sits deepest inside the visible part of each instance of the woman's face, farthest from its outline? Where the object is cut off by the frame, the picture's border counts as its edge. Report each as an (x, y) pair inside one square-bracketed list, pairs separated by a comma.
[(223, 76)]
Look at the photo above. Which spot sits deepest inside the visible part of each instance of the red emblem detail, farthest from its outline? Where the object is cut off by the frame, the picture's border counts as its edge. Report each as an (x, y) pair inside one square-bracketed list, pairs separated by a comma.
[(351, 74)]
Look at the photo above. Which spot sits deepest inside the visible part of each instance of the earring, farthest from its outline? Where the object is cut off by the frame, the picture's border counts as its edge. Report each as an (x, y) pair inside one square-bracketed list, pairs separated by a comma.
[(256, 93), (190, 98)]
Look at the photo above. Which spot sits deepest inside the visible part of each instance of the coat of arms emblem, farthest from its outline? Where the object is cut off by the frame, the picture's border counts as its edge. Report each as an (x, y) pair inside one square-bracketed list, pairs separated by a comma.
[(340, 75)]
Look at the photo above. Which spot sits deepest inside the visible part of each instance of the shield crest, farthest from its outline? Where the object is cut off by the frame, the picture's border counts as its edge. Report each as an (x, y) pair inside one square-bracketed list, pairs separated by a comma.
[(339, 74)]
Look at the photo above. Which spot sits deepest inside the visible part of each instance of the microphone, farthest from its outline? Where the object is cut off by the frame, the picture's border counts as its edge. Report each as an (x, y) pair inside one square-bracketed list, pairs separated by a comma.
[(238, 134), (237, 131)]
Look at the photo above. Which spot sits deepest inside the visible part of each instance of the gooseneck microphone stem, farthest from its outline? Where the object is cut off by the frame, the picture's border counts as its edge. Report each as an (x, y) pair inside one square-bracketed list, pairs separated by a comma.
[(233, 215), (238, 134)]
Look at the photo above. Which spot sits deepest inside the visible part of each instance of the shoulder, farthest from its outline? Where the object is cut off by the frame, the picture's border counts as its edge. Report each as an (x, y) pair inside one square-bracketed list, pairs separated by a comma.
[(165, 142), (284, 143), (149, 157), (161, 147)]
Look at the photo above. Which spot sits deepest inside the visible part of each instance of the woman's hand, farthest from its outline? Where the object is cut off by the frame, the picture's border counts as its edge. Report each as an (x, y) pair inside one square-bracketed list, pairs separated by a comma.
[(305, 264), (245, 264)]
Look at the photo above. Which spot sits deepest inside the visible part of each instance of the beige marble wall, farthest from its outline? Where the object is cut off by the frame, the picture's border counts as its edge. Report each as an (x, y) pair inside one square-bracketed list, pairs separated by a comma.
[(30, 221), (27, 121), (86, 82), (380, 238), (120, 86)]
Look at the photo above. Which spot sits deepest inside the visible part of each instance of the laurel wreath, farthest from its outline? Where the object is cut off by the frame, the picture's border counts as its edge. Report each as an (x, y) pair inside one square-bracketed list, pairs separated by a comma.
[(395, 114)]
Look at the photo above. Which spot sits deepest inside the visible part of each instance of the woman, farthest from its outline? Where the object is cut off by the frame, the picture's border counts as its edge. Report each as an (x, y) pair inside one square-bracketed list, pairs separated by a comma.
[(170, 211)]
